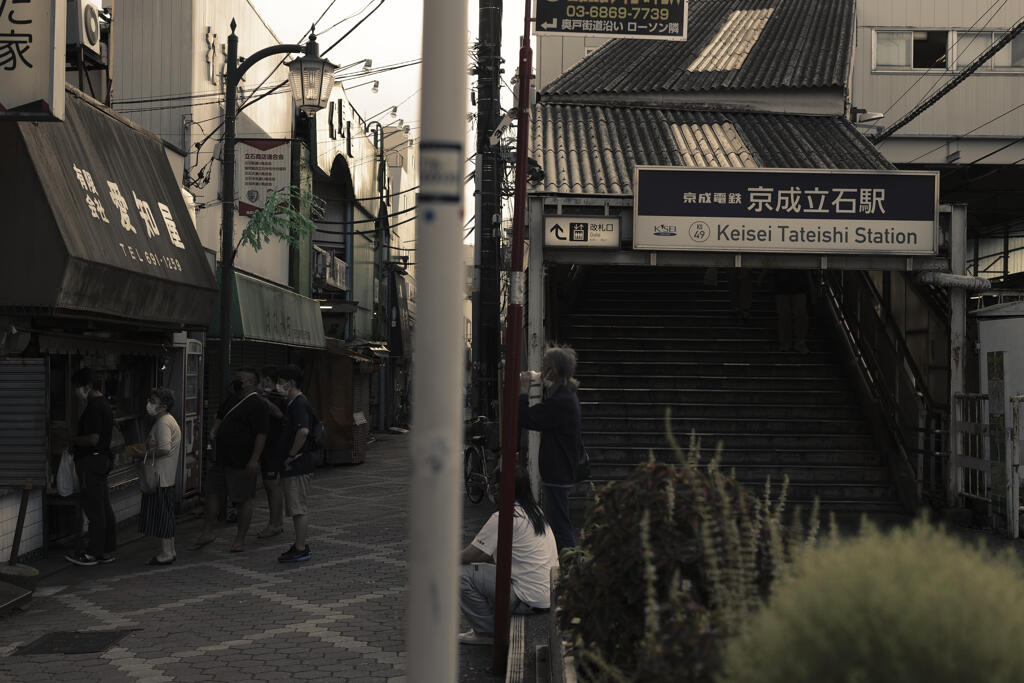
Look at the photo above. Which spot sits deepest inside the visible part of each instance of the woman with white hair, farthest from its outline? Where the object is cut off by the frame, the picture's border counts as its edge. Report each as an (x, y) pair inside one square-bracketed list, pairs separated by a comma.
[(557, 418)]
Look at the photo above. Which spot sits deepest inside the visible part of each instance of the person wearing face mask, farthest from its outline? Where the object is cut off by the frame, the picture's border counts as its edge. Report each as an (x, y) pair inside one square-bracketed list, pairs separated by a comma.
[(557, 418), (156, 514), (241, 434), (297, 466), (91, 449), (270, 461)]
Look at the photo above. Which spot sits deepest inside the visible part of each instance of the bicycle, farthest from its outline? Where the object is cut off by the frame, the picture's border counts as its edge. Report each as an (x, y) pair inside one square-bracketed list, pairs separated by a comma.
[(480, 459)]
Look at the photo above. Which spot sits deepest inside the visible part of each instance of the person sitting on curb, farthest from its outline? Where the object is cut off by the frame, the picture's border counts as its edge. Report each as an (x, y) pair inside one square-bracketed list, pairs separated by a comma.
[(533, 555)]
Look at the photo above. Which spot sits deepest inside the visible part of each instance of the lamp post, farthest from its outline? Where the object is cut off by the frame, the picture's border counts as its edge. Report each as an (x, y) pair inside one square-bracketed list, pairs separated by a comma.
[(311, 80)]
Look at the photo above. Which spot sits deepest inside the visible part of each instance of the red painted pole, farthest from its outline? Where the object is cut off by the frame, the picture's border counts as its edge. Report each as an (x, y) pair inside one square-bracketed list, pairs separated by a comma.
[(513, 350)]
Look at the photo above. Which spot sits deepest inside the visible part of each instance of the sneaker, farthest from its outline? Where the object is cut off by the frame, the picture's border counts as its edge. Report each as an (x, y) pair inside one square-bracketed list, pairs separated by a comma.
[(107, 559), (82, 559), (471, 637), (295, 555)]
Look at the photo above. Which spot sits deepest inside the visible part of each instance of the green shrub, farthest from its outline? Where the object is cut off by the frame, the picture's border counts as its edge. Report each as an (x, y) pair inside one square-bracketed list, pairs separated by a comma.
[(672, 560), (913, 605)]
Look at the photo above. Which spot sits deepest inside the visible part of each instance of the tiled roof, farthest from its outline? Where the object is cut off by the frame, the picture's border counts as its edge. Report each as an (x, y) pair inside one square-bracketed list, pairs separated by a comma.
[(734, 45), (589, 149)]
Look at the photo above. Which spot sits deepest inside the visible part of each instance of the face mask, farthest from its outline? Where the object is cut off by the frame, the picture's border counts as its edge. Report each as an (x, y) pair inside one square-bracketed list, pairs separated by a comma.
[(282, 388), (82, 392), (152, 408), (548, 384)]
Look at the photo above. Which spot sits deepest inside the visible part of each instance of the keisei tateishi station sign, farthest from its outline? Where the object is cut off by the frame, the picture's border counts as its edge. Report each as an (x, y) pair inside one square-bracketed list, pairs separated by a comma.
[(660, 19), (786, 210)]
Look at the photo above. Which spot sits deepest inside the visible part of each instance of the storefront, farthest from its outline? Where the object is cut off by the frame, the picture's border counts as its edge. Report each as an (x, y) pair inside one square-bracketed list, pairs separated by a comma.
[(102, 268)]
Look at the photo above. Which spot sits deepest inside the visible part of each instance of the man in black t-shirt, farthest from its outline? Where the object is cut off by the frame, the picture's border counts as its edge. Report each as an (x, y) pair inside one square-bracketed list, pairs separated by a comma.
[(270, 461), (241, 433), (297, 466), (91, 448)]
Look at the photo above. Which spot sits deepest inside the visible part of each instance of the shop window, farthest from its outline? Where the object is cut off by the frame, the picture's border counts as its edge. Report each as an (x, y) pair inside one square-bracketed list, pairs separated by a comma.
[(911, 49), (970, 44)]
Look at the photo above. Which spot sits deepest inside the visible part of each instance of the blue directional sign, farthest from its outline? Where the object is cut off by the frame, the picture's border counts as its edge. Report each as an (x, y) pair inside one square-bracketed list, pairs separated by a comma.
[(786, 210)]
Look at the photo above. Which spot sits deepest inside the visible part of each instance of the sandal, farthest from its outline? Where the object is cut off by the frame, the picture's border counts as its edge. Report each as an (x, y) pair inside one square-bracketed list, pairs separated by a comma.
[(201, 543), (154, 561), (237, 548), (269, 532)]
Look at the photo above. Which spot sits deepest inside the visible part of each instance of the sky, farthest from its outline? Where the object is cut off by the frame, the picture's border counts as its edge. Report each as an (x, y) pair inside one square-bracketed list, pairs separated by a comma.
[(392, 35)]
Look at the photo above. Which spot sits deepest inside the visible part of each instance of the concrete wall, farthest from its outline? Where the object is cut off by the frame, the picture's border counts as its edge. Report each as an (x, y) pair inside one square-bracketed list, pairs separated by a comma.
[(172, 52), (983, 96)]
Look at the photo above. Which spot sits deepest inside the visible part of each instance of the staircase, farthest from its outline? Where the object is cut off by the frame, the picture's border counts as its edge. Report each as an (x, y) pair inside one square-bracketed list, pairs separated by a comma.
[(655, 339)]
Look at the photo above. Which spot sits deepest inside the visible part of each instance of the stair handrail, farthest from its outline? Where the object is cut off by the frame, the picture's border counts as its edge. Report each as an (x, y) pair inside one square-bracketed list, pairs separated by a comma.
[(901, 409)]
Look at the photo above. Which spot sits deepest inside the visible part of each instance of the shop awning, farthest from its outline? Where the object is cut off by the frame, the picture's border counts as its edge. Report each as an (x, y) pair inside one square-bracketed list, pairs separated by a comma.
[(94, 221), (268, 313)]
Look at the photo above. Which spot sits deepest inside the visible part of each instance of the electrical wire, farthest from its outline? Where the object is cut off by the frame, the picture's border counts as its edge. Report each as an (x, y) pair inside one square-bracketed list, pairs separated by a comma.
[(960, 137), (939, 59)]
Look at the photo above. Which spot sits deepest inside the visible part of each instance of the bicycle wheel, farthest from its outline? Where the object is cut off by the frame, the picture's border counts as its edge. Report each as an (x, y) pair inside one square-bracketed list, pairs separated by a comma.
[(476, 474)]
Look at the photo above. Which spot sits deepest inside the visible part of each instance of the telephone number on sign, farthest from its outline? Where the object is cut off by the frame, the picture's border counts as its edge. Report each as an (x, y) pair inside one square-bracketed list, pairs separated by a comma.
[(606, 12)]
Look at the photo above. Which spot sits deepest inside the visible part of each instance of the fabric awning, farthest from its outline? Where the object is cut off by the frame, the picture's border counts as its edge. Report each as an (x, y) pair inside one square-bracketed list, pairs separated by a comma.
[(95, 221), (265, 312)]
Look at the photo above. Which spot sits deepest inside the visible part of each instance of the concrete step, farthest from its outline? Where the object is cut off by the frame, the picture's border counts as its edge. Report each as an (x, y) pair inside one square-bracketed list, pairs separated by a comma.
[(690, 368), (825, 395), (820, 454), (730, 410), (754, 474), (614, 439), (655, 425), (711, 380)]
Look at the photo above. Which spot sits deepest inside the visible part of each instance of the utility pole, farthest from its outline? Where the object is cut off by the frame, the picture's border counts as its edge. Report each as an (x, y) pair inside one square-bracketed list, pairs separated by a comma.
[(487, 249), (435, 516)]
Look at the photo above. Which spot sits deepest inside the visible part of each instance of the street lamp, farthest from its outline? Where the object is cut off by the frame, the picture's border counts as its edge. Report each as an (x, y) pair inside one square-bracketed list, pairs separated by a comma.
[(375, 89), (311, 80)]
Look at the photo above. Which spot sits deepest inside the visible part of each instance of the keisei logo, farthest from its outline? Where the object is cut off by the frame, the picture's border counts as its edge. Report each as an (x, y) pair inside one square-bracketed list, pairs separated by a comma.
[(665, 230)]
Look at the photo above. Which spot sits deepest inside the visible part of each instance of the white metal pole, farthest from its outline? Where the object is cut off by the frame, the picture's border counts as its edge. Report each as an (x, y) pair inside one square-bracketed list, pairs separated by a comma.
[(436, 497)]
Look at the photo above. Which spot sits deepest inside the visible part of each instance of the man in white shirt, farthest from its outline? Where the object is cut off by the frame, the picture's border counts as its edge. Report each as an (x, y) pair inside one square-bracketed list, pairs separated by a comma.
[(534, 553)]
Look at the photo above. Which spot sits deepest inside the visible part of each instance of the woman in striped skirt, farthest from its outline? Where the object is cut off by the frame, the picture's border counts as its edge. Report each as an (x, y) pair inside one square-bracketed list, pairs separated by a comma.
[(156, 518)]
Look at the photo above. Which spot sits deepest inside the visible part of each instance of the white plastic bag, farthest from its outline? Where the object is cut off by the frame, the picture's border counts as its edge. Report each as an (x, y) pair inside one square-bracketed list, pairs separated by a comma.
[(67, 478)]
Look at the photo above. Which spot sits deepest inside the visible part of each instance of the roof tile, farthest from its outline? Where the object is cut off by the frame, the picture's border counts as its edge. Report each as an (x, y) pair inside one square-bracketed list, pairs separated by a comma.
[(589, 149)]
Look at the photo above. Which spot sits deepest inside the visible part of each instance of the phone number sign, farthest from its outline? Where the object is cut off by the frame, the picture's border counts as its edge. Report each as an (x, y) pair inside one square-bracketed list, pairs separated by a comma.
[(786, 210), (660, 19)]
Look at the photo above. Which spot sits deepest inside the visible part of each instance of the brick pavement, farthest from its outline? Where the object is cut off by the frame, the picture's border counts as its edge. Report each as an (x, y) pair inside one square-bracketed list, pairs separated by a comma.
[(219, 616)]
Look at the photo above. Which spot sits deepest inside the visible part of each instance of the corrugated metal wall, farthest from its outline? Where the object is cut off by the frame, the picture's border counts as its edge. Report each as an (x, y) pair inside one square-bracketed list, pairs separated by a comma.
[(23, 446), (991, 257)]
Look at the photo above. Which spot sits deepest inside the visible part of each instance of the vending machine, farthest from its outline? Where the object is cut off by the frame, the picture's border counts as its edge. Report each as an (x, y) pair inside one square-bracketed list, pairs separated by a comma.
[(187, 383)]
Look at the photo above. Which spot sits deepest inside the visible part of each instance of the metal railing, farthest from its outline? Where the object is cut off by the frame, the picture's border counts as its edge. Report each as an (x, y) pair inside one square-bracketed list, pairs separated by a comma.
[(901, 376)]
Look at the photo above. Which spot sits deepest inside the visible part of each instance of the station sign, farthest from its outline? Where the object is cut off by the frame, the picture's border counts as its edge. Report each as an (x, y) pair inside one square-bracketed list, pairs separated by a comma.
[(582, 231), (657, 19), (786, 210)]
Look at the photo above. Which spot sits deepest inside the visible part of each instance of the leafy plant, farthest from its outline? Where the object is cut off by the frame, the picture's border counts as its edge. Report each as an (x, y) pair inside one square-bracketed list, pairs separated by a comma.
[(672, 560), (911, 605), (283, 216)]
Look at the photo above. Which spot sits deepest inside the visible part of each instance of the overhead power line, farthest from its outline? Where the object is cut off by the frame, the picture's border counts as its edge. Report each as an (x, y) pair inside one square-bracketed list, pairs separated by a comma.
[(957, 80), (963, 135)]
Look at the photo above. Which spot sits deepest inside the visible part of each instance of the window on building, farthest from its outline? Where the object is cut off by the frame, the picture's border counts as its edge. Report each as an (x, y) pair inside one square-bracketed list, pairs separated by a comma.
[(911, 49), (970, 44)]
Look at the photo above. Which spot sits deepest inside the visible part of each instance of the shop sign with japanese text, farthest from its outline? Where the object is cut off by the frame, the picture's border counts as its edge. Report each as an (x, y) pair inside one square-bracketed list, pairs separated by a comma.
[(786, 210), (581, 231), (263, 166), (32, 59), (660, 19)]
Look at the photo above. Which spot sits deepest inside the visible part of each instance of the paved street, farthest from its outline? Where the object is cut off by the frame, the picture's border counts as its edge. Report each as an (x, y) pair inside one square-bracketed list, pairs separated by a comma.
[(217, 616)]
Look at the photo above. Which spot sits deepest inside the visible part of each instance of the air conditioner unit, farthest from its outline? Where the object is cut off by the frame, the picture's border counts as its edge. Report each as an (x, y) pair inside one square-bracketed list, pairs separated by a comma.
[(83, 26)]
